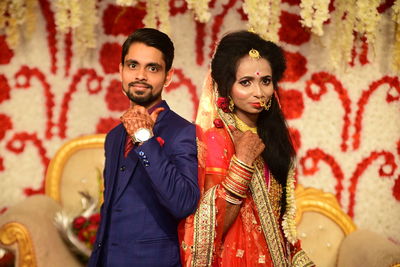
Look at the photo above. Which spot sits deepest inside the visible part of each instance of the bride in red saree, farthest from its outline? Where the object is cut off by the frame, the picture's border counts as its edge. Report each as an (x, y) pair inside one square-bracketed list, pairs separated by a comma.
[(246, 215)]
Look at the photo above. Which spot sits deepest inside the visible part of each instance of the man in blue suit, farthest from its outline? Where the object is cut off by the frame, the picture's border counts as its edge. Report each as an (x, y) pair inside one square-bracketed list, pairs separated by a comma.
[(150, 172)]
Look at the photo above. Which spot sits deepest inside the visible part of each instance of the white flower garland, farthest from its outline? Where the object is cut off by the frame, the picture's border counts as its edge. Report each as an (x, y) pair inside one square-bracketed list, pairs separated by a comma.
[(200, 9), (68, 14), (17, 18), (126, 2), (75, 8), (289, 222), (343, 21), (396, 47), (3, 10), (157, 9), (263, 18), (31, 17), (150, 20), (163, 16), (86, 34), (61, 15), (313, 14), (71, 16), (368, 17)]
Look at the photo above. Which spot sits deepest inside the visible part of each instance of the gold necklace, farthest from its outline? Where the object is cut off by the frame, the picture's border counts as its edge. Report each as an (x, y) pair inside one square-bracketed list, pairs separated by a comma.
[(242, 126)]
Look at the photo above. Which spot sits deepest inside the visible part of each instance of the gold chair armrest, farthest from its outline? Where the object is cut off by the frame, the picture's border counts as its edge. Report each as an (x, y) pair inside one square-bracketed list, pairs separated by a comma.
[(16, 235)]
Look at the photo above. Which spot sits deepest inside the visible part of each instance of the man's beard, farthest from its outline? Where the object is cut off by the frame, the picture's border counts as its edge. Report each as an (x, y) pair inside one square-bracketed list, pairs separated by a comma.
[(141, 98)]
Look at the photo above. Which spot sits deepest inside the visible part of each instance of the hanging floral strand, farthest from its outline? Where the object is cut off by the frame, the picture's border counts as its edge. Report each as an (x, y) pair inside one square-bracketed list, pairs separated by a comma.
[(313, 14), (163, 16), (263, 18), (85, 34), (62, 15), (17, 19), (11, 28), (343, 21), (31, 17), (367, 19), (396, 46), (157, 11), (200, 9), (69, 16), (150, 20)]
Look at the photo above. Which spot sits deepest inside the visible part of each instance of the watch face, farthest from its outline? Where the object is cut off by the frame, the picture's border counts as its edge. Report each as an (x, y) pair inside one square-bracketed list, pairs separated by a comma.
[(142, 135)]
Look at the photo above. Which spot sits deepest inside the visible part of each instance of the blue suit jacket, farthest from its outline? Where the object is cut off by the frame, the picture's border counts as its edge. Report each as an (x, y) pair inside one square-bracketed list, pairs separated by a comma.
[(157, 187)]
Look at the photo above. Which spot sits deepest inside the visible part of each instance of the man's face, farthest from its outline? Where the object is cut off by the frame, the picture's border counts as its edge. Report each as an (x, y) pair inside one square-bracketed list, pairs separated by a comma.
[(143, 75)]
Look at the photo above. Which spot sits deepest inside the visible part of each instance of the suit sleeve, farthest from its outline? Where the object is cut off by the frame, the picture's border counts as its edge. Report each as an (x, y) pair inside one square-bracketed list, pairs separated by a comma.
[(173, 175)]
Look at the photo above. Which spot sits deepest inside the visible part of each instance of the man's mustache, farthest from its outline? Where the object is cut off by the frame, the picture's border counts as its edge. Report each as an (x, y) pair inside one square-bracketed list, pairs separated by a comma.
[(142, 83)]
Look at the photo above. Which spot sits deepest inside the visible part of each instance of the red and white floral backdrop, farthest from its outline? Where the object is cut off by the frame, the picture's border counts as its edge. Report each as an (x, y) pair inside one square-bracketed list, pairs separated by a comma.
[(345, 124)]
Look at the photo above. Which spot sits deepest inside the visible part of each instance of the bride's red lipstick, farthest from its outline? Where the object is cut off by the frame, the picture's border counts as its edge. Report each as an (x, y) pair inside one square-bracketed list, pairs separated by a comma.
[(256, 105)]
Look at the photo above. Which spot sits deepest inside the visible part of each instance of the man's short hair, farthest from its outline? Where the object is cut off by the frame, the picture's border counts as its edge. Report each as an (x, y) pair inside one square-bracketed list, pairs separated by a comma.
[(154, 38)]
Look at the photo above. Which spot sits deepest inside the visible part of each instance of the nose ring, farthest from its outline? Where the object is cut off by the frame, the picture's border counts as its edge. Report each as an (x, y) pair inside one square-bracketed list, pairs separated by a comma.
[(264, 105)]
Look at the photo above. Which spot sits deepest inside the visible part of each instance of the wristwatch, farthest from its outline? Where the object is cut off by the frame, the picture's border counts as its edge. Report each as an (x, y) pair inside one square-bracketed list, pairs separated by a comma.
[(142, 135)]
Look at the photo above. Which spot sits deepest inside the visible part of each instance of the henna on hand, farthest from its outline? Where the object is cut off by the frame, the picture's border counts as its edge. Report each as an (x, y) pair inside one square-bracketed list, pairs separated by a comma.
[(138, 117), (248, 145)]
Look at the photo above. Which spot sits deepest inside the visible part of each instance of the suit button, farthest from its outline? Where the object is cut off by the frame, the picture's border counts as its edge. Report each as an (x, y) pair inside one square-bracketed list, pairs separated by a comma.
[(122, 168), (99, 245), (141, 153)]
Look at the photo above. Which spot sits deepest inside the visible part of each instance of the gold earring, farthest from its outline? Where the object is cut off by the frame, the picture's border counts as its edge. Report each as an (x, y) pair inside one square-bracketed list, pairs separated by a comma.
[(231, 104)]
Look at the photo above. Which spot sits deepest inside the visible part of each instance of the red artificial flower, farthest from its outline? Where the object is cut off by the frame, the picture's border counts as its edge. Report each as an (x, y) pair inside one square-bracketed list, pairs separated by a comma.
[(223, 103), (82, 234), (160, 141), (218, 123), (79, 222), (92, 240), (94, 218), (91, 229)]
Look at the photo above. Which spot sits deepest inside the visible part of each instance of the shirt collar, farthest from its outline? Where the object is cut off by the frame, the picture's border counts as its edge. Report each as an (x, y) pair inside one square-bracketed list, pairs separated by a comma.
[(159, 104)]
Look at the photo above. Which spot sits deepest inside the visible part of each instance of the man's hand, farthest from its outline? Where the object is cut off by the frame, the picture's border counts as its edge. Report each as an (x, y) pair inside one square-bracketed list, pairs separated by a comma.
[(137, 117), (248, 145)]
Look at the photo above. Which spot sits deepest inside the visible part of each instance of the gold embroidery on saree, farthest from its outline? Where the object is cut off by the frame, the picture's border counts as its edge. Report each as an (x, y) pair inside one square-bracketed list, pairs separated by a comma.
[(268, 222), (259, 191), (204, 230)]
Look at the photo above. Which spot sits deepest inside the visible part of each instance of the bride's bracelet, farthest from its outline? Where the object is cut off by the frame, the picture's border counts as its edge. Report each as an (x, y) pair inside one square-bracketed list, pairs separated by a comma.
[(238, 179), (229, 198)]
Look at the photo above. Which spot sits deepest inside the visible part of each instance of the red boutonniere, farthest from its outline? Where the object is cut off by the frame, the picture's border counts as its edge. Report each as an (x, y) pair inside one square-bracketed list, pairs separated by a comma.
[(223, 103), (160, 141), (218, 123)]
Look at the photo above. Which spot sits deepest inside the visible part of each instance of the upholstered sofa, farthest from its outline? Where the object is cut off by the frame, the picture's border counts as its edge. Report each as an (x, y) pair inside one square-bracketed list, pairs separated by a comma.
[(27, 229)]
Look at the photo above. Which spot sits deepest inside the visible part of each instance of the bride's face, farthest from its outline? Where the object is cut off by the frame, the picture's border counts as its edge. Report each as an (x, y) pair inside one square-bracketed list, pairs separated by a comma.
[(253, 85)]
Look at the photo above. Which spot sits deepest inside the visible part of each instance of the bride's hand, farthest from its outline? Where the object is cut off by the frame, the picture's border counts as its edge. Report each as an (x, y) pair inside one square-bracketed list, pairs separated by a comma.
[(248, 145)]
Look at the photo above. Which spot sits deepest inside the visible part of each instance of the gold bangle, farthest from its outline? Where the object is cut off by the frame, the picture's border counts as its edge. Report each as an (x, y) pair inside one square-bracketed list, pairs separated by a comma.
[(233, 190), (224, 194), (242, 164), (238, 179), (242, 174), (232, 199)]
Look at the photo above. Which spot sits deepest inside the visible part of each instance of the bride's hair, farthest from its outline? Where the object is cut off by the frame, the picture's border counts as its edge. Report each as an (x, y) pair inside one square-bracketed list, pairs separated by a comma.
[(271, 125)]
